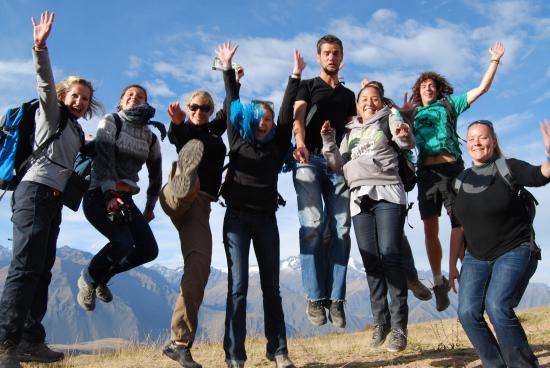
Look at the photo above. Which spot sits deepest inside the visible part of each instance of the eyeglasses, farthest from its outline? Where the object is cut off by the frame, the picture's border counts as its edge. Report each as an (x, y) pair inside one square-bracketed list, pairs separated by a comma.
[(195, 107)]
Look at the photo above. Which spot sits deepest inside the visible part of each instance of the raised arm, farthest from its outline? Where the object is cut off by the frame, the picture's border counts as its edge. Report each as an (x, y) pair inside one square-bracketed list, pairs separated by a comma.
[(545, 129), (225, 53), (496, 54)]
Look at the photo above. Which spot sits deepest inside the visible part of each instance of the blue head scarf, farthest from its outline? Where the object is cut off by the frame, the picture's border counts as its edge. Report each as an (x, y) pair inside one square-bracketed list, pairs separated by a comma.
[(246, 118)]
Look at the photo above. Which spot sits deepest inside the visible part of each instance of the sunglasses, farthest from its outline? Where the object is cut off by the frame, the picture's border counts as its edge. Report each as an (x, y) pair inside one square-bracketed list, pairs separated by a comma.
[(482, 122), (195, 107)]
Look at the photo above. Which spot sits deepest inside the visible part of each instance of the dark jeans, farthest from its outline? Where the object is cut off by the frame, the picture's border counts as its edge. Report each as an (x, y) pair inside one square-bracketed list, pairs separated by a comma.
[(408, 260), (36, 218), (379, 232), (130, 245), (496, 287), (239, 228)]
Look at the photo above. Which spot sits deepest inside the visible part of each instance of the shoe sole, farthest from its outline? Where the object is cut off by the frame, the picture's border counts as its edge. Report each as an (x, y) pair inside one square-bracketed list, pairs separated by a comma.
[(395, 350), (29, 358), (80, 297), (189, 158)]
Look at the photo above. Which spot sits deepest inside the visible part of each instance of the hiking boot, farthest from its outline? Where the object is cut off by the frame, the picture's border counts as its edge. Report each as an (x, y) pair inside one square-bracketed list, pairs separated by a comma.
[(316, 312), (336, 313), (441, 293), (379, 335), (419, 290), (185, 176), (398, 340), (86, 294), (180, 354), (233, 363), (38, 352), (103, 293), (281, 360), (8, 356)]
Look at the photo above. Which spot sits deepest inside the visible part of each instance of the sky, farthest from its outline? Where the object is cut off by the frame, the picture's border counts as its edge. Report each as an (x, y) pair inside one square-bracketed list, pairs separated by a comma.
[(168, 47)]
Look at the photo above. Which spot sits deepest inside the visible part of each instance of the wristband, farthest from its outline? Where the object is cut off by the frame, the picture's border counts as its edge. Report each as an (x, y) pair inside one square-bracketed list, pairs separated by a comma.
[(495, 61), (296, 75)]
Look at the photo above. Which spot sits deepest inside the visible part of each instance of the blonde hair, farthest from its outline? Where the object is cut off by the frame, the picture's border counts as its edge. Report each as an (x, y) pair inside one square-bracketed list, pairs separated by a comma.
[(488, 124), (66, 84), (201, 93)]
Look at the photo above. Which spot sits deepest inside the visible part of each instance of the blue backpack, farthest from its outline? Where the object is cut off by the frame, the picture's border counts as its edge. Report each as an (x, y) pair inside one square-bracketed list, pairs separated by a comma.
[(16, 142)]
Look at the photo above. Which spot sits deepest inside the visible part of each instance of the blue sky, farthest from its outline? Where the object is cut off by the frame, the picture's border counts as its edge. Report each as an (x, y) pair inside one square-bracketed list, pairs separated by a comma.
[(168, 47)]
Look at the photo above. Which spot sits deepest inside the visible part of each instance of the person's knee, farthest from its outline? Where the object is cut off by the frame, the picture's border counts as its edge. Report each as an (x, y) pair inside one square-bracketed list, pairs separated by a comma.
[(499, 312), (150, 252), (469, 313)]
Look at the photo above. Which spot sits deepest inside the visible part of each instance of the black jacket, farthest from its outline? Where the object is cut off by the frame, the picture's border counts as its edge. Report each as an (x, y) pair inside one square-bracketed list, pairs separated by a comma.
[(251, 180)]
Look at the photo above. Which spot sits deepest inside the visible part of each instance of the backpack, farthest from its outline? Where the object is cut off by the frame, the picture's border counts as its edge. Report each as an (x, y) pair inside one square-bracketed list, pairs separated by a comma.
[(527, 198), (406, 168), (17, 139)]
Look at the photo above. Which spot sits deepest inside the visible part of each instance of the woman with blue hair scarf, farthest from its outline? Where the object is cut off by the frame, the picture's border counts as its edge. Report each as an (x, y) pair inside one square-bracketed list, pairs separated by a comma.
[(257, 149)]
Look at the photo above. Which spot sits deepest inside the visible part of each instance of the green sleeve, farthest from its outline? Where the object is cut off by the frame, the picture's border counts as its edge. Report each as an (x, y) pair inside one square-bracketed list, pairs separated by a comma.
[(460, 103)]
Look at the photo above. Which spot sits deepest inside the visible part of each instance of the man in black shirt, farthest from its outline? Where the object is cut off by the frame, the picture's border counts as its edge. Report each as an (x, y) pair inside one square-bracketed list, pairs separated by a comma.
[(323, 197)]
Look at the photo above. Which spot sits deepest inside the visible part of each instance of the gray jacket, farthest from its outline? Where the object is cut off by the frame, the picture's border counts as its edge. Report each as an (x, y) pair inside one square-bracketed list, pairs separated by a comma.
[(54, 166), (365, 156)]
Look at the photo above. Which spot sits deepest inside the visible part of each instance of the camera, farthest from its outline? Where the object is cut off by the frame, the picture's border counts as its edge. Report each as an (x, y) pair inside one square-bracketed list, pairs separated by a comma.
[(123, 215)]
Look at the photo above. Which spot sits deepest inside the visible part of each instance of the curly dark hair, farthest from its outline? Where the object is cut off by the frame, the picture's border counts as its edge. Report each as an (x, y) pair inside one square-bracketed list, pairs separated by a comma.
[(444, 88)]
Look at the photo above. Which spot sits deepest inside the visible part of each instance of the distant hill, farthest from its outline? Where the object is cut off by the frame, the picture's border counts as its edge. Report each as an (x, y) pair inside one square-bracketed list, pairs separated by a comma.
[(144, 298)]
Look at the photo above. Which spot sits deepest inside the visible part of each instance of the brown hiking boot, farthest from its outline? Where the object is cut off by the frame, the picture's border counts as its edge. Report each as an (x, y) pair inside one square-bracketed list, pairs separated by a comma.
[(38, 352), (441, 293), (315, 311), (103, 293), (419, 290), (336, 313), (185, 177)]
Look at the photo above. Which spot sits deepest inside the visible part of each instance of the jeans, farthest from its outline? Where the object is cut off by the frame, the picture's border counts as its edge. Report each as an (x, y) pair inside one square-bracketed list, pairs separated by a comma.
[(379, 233), (408, 260), (324, 258), (239, 228), (130, 245), (496, 287), (36, 218)]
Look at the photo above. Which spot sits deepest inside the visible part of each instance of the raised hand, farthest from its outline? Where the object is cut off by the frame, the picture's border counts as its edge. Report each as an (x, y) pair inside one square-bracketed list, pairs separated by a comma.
[(299, 63), (326, 128), (225, 53), (364, 82), (239, 73), (408, 109), (402, 130), (177, 115), (497, 51), (545, 129), (41, 31)]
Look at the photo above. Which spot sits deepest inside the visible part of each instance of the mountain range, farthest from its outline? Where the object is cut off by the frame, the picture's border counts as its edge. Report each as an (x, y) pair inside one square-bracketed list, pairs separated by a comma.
[(144, 298)]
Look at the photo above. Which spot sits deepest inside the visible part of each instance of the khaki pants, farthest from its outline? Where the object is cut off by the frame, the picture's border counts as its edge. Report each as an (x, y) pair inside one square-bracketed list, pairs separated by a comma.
[(190, 216)]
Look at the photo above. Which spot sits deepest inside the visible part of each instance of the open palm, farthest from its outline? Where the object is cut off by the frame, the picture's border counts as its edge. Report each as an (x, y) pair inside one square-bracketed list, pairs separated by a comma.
[(42, 29)]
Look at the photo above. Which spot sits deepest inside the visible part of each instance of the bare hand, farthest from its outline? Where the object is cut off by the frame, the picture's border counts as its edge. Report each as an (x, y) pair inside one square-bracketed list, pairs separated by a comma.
[(326, 128), (299, 63), (408, 109), (113, 204), (225, 53), (239, 73), (364, 82), (301, 154), (42, 30), (453, 275), (545, 129), (497, 51), (402, 130), (89, 137), (149, 215), (177, 115)]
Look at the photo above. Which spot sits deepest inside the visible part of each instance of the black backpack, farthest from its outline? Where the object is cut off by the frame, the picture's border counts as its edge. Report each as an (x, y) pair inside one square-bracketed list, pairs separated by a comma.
[(529, 201), (407, 171)]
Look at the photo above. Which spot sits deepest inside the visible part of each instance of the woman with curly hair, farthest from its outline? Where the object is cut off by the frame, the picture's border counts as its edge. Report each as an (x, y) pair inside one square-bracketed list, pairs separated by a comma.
[(435, 112)]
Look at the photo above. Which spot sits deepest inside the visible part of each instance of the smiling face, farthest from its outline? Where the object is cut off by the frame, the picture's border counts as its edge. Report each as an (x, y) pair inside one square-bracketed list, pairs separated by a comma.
[(200, 108), (77, 99), (481, 143), (265, 125), (132, 97), (369, 102), (330, 57), (428, 92)]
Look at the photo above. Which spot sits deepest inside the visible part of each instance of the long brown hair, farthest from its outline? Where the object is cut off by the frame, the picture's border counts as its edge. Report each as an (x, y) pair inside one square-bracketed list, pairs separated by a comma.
[(444, 88)]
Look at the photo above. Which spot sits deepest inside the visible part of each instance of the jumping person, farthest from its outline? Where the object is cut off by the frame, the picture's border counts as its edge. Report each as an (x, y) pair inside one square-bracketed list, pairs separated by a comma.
[(322, 194), (37, 205), (439, 156)]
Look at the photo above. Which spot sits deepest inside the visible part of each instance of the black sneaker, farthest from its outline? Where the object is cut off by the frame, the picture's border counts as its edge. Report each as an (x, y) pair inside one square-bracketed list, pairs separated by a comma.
[(398, 340), (180, 354), (419, 290), (281, 360), (316, 312), (379, 335), (336, 313), (103, 293), (185, 177), (8, 356), (441, 293), (38, 352)]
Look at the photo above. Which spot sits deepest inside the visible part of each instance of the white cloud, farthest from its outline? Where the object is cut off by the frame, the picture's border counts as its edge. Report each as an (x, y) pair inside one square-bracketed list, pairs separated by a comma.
[(134, 65), (158, 88)]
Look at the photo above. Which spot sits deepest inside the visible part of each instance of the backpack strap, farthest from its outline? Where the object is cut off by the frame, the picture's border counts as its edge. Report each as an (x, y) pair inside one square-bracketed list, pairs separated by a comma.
[(452, 118), (504, 171), (156, 124), (385, 127)]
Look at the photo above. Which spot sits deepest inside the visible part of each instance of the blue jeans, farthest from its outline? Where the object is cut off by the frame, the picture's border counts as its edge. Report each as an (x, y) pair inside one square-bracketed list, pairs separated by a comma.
[(323, 211), (36, 218), (408, 259), (496, 287), (239, 228), (379, 233), (130, 245)]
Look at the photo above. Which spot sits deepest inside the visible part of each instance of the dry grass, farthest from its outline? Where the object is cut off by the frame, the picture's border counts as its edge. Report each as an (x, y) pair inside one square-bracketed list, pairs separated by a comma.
[(433, 344)]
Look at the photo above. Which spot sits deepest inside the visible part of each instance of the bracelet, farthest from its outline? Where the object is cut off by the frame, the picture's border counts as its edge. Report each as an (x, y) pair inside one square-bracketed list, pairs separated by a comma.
[(296, 75), (495, 61)]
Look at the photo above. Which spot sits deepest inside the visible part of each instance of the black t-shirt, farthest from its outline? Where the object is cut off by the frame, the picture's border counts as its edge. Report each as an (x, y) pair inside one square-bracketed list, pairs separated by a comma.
[(333, 104), (493, 218)]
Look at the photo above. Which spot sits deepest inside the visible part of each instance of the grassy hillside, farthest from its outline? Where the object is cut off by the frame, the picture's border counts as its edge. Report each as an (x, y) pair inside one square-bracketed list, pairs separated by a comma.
[(432, 344)]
